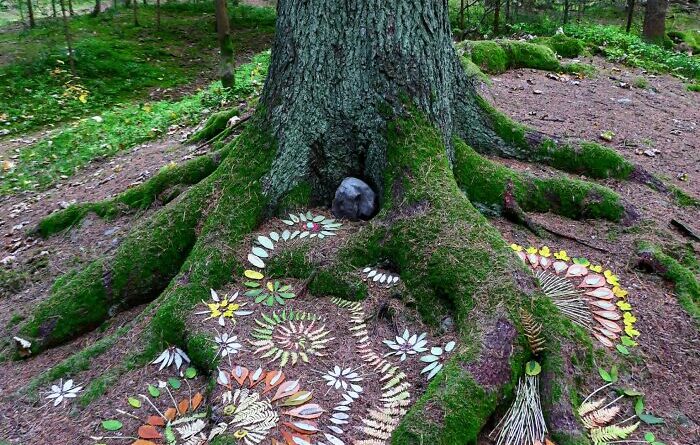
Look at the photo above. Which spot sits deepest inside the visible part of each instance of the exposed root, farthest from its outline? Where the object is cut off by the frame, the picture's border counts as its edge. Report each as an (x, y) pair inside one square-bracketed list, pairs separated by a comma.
[(192, 236), (687, 288), (491, 184), (162, 187)]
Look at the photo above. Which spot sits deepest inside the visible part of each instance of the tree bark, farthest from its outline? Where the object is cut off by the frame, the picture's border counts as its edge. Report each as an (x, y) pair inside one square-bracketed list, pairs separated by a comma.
[(135, 3), (496, 16), (97, 9), (654, 28), (69, 39), (630, 15), (70, 8), (158, 15), (227, 66), (566, 12), (30, 13), (53, 8)]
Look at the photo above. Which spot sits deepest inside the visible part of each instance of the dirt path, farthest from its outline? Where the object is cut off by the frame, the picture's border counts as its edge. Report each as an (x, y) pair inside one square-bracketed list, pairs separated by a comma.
[(665, 364)]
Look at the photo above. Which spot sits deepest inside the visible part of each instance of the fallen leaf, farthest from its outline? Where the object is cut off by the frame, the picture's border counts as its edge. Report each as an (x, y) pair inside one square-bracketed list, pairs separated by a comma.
[(148, 432)]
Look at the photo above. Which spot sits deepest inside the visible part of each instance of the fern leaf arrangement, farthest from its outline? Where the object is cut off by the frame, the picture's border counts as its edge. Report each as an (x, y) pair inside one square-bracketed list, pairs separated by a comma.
[(601, 436), (533, 332), (566, 297)]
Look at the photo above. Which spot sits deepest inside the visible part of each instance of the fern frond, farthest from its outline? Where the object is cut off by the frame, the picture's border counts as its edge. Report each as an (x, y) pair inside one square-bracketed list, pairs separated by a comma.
[(600, 417), (533, 332), (601, 436), (588, 407)]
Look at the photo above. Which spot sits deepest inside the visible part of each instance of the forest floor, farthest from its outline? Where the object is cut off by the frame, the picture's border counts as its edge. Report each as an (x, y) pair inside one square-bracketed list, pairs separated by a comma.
[(656, 126)]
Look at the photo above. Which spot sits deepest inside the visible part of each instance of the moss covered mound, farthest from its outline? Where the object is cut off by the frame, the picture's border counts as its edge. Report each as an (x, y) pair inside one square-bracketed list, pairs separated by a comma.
[(565, 46), (497, 56)]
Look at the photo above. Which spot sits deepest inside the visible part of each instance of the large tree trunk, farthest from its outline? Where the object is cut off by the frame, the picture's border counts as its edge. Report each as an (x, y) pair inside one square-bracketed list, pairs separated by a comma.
[(227, 66), (372, 89), (654, 28)]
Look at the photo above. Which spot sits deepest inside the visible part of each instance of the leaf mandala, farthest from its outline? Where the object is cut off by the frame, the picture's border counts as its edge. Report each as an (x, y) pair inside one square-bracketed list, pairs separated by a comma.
[(533, 332)]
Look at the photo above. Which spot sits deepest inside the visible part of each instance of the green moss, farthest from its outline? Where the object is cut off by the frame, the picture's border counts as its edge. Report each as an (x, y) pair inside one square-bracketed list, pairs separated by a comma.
[(588, 158), (694, 87), (216, 123), (202, 351), (687, 288), (472, 70), (690, 37), (239, 209), (485, 182), (683, 199), (530, 55), (565, 46), (489, 56), (497, 56), (583, 69)]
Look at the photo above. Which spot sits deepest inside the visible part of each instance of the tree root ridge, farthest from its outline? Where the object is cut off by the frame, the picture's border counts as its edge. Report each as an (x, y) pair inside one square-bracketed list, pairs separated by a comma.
[(183, 248), (164, 186)]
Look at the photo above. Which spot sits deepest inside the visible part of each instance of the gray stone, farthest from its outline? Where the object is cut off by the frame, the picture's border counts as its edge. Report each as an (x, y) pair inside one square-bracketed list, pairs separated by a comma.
[(354, 200)]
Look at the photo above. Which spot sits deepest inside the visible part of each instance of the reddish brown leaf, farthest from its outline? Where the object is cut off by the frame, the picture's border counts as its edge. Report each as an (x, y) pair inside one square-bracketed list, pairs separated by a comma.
[(170, 414), (183, 406), (602, 292), (607, 333), (272, 379), (576, 270), (239, 374), (610, 315), (296, 439), (603, 340), (155, 421), (593, 280), (196, 401), (609, 325), (256, 377), (304, 427), (149, 432), (143, 442), (286, 389)]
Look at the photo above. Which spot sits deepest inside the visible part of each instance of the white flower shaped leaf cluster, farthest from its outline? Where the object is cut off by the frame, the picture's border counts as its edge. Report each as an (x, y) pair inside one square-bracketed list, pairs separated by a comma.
[(407, 344), (172, 355), (62, 391), (436, 359), (228, 344), (346, 379)]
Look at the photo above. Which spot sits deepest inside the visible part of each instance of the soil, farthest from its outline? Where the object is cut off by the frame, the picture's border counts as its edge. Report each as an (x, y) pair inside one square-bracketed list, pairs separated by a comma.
[(664, 366)]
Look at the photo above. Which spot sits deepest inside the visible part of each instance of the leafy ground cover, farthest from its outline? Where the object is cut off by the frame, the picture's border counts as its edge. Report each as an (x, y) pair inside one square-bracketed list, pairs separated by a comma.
[(115, 61), (103, 135)]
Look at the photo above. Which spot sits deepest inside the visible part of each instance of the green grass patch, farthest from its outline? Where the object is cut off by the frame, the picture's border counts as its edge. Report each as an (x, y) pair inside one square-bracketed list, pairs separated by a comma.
[(115, 61), (497, 56), (630, 49), (61, 154)]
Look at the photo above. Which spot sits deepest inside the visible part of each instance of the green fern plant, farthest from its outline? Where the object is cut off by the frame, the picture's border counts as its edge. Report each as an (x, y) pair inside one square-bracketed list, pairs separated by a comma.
[(601, 436)]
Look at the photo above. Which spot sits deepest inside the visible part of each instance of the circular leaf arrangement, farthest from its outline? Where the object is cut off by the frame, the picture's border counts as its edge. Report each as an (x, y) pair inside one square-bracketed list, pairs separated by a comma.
[(289, 335), (588, 294), (267, 292)]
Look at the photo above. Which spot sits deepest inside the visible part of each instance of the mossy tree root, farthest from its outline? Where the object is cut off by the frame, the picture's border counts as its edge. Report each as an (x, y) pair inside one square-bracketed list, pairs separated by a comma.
[(454, 264), (491, 184), (491, 132), (687, 288), (165, 186), (175, 256)]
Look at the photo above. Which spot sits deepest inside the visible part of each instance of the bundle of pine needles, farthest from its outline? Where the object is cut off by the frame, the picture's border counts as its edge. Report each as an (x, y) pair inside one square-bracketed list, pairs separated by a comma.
[(524, 423)]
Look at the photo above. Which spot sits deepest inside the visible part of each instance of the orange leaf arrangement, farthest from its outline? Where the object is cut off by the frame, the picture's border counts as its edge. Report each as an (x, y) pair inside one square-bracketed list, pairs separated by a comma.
[(589, 298), (253, 417)]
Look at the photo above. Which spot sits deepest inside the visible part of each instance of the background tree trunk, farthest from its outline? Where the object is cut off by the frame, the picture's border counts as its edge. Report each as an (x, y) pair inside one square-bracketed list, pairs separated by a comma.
[(496, 16), (158, 15), (630, 15), (97, 9), (53, 8), (70, 7), (30, 13), (223, 32), (566, 11), (69, 39), (654, 28), (135, 3)]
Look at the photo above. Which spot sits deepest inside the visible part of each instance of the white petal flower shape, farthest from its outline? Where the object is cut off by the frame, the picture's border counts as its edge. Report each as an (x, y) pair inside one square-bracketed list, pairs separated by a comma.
[(407, 344), (345, 379), (228, 344), (171, 355), (62, 391)]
